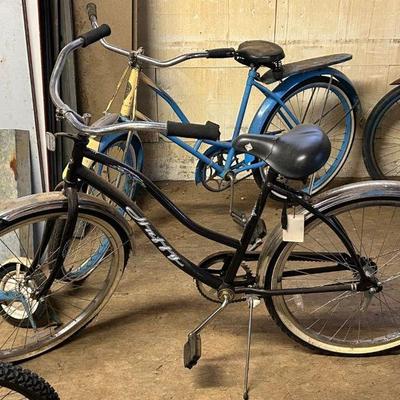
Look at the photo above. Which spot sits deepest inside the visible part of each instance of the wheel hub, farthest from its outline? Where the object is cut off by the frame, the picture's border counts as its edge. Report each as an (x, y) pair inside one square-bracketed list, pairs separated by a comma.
[(14, 281), (371, 269)]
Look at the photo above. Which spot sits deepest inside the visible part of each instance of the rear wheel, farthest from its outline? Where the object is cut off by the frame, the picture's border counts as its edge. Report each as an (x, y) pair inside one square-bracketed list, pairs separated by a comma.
[(30, 325), (349, 322), (323, 102)]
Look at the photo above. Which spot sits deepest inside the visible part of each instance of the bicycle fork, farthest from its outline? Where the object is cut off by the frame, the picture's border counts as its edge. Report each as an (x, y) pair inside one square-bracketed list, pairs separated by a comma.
[(192, 348)]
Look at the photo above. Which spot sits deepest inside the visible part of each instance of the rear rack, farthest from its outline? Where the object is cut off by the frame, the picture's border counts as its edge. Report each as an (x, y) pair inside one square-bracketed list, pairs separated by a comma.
[(304, 66)]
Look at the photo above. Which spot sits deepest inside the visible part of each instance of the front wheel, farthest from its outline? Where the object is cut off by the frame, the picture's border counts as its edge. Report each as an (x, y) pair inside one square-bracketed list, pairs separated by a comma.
[(320, 101), (348, 322), (30, 325), (18, 383)]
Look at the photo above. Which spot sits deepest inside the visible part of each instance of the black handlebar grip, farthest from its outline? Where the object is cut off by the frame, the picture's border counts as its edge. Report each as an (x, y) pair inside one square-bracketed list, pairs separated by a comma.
[(209, 131), (95, 34), (91, 10), (221, 53)]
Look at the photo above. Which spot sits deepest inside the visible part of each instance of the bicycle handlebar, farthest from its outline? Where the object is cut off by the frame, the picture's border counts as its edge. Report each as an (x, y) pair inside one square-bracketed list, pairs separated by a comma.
[(92, 14), (207, 131), (95, 35), (72, 116)]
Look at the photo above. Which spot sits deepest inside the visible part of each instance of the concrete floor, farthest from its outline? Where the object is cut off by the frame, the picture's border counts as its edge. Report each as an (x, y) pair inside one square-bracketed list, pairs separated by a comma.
[(134, 349)]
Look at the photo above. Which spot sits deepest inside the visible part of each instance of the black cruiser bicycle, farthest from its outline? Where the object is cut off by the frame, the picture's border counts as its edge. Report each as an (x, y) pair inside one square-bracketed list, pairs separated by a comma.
[(329, 273)]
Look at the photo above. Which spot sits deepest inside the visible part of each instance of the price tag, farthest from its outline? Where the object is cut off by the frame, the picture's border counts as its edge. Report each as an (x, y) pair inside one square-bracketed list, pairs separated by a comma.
[(295, 228)]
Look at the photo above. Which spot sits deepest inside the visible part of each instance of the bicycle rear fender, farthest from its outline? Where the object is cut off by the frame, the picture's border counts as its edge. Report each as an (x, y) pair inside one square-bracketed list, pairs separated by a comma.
[(324, 202), (268, 105)]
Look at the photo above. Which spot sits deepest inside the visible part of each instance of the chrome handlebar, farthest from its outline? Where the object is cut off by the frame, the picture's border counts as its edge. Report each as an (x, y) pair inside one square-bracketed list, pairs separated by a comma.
[(76, 120)]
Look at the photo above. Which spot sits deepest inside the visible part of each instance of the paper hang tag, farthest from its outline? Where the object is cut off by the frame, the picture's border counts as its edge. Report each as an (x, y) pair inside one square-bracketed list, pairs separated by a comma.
[(295, 228)]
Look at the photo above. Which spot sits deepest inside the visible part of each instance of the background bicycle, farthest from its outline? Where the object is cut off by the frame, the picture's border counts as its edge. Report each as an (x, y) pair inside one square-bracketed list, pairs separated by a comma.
[(309, 92), (381, 141)]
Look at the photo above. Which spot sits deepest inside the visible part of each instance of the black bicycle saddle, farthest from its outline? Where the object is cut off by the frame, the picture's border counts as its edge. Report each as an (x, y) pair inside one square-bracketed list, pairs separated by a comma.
[(259, 52), (295, 154)]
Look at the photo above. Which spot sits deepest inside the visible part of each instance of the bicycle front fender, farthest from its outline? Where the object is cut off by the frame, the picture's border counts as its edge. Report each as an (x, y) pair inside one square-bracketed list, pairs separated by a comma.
[(136, 143), (324, 202)]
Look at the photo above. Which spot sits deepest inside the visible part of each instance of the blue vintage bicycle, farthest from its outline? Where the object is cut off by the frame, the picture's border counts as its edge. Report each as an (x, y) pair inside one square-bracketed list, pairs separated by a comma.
[(310, 91)]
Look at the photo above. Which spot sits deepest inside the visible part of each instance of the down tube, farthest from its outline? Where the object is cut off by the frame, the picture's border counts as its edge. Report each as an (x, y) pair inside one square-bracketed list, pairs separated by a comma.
[(147, 227)]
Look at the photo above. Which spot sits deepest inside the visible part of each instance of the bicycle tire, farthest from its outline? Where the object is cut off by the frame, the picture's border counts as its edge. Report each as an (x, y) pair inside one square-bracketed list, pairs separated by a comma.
[(376, 116), (348, 106), (304, 322), (26, 383)]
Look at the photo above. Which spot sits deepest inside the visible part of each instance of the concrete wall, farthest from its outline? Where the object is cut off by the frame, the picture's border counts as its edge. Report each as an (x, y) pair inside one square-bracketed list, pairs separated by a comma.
[(99, 70), (211, 89)]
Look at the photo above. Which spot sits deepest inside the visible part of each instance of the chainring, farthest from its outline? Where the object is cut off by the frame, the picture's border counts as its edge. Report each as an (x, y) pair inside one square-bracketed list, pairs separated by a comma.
[(210, 263), (209, 177)]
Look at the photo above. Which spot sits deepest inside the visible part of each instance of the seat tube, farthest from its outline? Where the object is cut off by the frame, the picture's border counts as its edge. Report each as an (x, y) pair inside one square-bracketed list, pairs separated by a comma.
[(248, 231), (245, 99), (242, 110)]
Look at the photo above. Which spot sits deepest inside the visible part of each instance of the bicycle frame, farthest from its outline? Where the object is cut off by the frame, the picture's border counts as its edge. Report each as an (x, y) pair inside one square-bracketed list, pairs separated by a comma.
[(251, 82), (76, 171)]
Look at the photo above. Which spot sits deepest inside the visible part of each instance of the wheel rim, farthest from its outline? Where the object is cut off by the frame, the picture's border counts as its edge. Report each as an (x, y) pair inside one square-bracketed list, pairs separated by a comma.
[(68, 306), (345, 322), (337, 121), (386, 141)]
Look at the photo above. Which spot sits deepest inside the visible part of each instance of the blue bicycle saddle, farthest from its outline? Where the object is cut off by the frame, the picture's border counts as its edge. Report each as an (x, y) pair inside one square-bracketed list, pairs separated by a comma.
[(295, 154)]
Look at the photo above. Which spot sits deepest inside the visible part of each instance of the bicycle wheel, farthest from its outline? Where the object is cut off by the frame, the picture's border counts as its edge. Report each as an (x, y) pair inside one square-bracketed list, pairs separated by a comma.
[(29, 325), (17, 383), (325, 103), (381, 144), (343, 323)]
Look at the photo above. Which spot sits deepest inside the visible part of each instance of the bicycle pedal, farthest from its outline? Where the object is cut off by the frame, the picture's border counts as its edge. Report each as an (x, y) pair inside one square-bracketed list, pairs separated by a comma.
[(192, 350), (239, 217)]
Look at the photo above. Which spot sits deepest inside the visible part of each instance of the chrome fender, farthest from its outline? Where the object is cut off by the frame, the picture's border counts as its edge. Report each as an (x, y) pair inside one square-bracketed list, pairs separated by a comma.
[(19, 209), (324, 202)]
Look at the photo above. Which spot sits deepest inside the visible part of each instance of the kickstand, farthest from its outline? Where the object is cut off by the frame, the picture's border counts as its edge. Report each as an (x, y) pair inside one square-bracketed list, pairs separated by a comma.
[(252, 304)]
